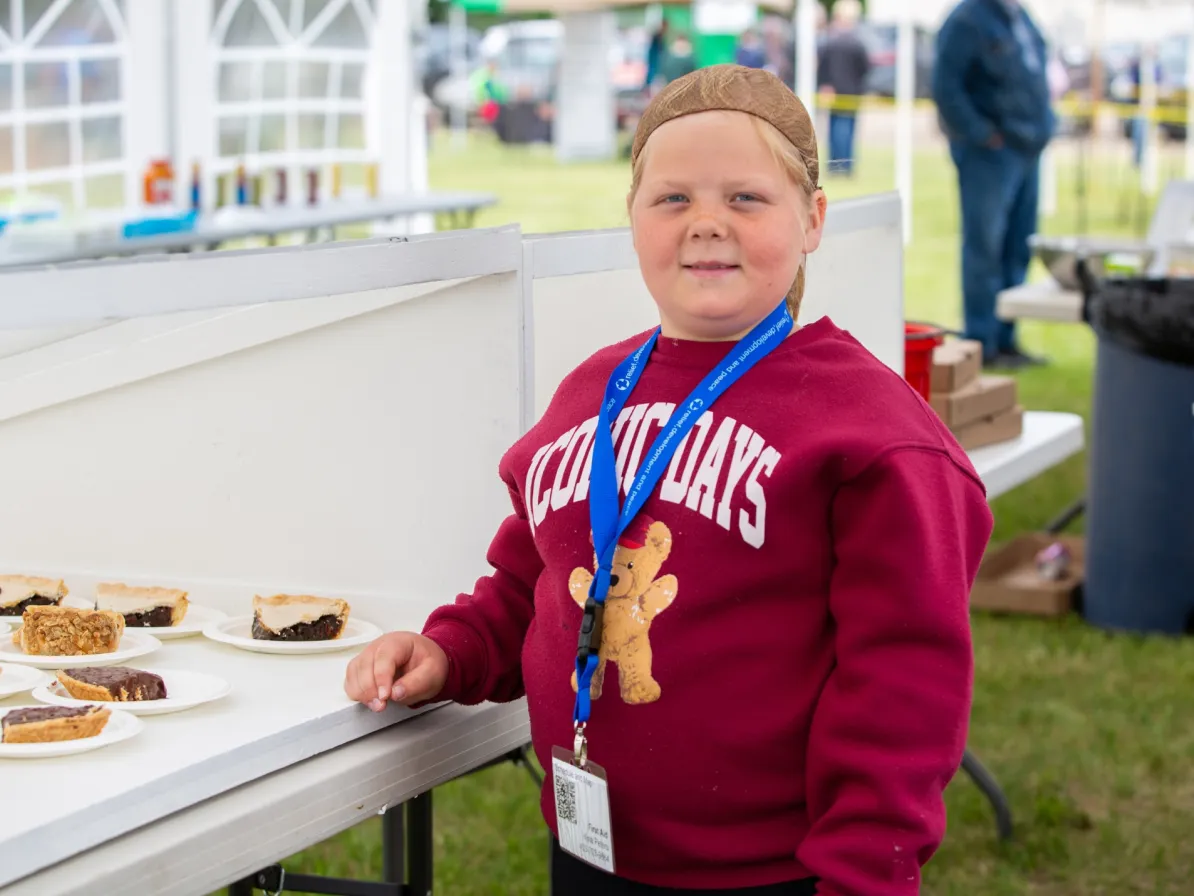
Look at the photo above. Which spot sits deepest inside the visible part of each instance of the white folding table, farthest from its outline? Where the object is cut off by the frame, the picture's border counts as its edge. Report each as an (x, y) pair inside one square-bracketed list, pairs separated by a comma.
[(1045, 300), (181, 847)]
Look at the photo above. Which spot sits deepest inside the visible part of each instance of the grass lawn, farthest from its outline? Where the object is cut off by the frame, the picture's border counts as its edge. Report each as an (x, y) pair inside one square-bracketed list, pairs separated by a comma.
[(1091, 735)]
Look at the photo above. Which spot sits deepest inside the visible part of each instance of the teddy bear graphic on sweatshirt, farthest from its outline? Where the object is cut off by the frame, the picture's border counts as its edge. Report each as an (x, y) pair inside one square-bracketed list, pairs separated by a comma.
[(635, 598)]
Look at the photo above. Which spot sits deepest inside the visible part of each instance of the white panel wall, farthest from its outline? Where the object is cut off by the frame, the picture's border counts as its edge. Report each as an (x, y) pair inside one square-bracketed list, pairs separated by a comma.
[(344, 444), (857, 275), (586, 291)]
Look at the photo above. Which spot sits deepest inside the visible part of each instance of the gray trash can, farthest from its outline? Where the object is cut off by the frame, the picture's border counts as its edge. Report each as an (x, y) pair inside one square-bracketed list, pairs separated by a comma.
[(1140, 496)]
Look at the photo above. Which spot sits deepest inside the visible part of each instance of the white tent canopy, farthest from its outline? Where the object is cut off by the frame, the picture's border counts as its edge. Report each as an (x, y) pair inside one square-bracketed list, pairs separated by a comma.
[(1072, 19), (271, 84)]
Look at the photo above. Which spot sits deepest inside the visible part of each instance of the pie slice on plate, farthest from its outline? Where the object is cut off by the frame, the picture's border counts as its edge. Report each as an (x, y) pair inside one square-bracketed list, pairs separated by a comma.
[(142, 607), (19, 592), (298, 617)]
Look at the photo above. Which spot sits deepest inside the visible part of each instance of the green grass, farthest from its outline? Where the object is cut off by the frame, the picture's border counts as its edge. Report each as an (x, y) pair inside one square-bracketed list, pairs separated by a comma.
[(1090, 734)]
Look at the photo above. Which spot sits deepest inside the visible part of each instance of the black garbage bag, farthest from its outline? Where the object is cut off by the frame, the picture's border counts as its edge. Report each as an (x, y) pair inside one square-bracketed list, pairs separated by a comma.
[(1150, 315)]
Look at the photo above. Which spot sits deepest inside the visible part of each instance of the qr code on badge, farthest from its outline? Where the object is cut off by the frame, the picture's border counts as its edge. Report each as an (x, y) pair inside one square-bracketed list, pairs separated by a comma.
[(565, 800)]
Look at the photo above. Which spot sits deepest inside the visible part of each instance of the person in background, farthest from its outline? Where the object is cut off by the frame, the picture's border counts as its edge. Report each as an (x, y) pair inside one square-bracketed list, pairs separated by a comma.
[(1058, 77), (991, 87), (842, 70), (780, 51), (750, 51), (1139, 122), (678, 61), (487, 92), (656, 50)]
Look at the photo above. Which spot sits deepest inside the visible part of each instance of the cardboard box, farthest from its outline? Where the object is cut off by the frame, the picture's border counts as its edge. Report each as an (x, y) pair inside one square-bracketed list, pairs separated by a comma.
[(1008, 580), (985, 397), (991, 430), (956, 363)]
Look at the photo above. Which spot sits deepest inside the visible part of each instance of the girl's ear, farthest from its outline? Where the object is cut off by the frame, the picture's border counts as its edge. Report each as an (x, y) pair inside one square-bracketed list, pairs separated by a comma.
[(814, 223)]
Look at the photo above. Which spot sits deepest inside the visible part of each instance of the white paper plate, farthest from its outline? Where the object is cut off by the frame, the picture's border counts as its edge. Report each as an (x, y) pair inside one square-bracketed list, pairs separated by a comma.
[(14, 679), (120, 726), (5, 627), (132, 644), (192, 624), (237, 631), (185, 690), (198, 616)]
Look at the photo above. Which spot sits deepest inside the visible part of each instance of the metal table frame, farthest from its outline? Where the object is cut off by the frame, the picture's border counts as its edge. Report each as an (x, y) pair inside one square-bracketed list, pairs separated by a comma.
[(407, 852)]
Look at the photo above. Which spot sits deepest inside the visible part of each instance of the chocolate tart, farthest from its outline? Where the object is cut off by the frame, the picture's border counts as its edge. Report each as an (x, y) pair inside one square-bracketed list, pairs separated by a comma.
[(298, 617), (142, 607), (48, 724), (112, 684), (19, 592)]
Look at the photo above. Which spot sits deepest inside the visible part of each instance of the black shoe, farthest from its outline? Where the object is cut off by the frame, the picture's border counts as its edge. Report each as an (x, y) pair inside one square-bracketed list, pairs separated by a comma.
[(1014, 359), (1026, 360)]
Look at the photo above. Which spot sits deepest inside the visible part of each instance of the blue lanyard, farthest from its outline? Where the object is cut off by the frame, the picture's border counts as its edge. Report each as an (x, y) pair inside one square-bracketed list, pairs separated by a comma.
[(607, 522)]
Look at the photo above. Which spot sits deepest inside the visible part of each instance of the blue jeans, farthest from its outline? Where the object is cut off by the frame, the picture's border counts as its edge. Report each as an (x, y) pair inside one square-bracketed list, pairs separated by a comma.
[(999, 190), (841, 142)]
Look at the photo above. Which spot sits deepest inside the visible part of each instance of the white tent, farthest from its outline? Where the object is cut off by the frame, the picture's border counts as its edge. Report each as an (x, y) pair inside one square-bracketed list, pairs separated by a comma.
[(99, 88), (1074, 18)]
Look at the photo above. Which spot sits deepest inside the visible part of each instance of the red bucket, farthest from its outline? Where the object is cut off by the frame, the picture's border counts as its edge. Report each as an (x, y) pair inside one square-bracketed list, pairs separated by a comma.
[(919, 342)]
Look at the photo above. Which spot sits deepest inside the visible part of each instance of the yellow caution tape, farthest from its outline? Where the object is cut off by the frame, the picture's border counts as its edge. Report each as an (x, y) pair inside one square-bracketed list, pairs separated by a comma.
[(1166, 111)]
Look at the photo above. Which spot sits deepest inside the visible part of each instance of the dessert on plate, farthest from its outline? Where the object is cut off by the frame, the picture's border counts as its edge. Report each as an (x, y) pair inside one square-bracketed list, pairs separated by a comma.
[(67, 631), (142, 607), (47, 724), (19, 592), (112, 684), (298, 617)]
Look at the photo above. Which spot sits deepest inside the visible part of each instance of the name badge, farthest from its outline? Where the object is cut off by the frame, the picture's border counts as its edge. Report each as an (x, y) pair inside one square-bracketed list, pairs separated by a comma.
[(582, 810)]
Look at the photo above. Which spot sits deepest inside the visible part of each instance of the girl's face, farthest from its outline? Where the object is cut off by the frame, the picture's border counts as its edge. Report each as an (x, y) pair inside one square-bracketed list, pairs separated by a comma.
[(719, 226)]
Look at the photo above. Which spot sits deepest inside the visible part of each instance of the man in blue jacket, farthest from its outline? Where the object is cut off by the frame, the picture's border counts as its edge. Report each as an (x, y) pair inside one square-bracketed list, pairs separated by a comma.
[(992, 95)]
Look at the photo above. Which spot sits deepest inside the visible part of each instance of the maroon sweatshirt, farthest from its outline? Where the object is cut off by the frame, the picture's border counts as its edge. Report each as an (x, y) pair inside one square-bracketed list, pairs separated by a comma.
[(788, 661)]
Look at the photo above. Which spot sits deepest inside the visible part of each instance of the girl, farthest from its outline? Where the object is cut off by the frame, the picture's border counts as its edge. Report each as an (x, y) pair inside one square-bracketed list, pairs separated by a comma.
[(734, 583)]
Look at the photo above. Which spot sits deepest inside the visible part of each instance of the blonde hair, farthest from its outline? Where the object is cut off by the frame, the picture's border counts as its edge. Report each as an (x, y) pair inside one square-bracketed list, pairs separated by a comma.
[(801, 164)]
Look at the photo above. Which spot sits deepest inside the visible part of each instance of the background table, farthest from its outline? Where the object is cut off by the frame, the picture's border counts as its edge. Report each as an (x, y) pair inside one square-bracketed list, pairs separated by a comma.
[(239, 223), (1040, 301)]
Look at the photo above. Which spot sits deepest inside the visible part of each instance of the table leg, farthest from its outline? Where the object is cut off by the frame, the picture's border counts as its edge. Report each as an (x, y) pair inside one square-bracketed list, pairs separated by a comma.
[(420, 845), (408, 853), (986, 782), (393, 845), (1067, 516)]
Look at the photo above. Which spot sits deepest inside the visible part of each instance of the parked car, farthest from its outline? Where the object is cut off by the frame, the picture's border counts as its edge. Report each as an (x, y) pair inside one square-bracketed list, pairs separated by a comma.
[(523, 56), (525, 59), (433, 52), (880, 40)]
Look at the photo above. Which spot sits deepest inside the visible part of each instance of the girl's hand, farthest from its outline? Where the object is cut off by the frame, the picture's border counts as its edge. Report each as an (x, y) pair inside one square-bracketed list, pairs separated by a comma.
[(399, 666)]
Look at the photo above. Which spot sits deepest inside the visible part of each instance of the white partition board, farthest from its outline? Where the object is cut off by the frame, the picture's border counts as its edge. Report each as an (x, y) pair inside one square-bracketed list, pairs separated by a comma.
[(584, 290), (341, 444), (856, 277)]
